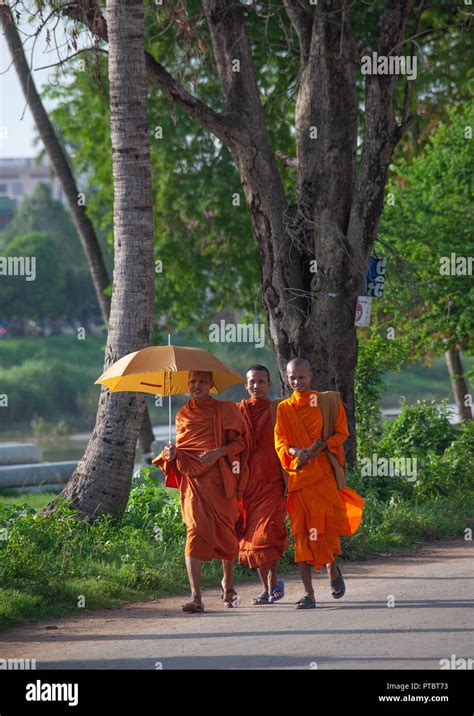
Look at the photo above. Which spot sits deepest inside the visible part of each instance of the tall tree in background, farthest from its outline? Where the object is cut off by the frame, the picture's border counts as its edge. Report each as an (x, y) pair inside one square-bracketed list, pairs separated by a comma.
[(102, 480)]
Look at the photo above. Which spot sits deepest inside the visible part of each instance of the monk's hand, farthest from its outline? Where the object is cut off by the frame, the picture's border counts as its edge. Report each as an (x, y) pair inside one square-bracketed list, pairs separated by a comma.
[(302, 454), (169, 451), (317, 447), (210, 457)]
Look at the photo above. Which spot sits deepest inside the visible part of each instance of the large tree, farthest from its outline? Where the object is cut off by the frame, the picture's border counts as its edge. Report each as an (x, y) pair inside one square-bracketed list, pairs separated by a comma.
[(101, 482)]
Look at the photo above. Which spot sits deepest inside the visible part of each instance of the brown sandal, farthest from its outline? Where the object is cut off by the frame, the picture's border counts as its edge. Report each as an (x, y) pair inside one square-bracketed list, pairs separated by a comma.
[(234, 601), (194, 606)]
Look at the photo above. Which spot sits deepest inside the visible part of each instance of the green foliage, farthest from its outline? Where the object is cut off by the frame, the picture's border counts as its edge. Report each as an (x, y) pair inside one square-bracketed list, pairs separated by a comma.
[(50, 378), (419, 429), (432, 218), (35, 296), (376, 356), (42, 228), (53, 559), (205, 255)]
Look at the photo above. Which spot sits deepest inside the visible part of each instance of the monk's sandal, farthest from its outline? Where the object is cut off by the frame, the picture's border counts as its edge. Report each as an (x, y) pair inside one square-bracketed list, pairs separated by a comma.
[(338, 587), (305, 603), (194, 606), (234, 601), (261, 599)]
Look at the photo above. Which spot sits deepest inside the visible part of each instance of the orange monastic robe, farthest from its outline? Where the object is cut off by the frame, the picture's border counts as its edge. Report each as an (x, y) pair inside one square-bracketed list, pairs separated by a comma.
[(262, 529), (209, 495), (319, 512)]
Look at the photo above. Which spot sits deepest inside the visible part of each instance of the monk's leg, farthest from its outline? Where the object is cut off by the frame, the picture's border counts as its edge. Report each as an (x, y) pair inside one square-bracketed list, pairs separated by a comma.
[(273, 575), (228, 574), (193, 567), (332, 570), (305, 574), (263, 573)]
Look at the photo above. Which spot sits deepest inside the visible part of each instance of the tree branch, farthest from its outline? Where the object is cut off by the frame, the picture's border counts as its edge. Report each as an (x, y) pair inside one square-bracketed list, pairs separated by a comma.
[(89, 14), (301, 18), (382, 133)]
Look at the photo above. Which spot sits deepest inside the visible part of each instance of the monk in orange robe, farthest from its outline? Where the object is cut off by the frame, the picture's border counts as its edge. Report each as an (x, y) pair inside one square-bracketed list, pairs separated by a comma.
[(205, 464), (319, 513), (262, 528)]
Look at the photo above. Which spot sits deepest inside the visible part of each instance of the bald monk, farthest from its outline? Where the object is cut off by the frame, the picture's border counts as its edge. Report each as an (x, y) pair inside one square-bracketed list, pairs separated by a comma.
[(211, 444), (319, 513), (262, 528)]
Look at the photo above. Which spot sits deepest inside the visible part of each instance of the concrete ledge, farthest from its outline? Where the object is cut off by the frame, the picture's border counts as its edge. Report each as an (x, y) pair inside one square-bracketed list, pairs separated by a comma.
[(43, 472), (19, 453)]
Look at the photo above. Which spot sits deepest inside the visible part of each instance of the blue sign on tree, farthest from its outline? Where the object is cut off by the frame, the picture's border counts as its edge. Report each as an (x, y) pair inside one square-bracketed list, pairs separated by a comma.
[(375, 278)]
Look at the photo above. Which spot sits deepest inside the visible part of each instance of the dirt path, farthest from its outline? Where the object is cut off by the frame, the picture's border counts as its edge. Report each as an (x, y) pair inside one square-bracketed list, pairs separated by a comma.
[(432, 591)]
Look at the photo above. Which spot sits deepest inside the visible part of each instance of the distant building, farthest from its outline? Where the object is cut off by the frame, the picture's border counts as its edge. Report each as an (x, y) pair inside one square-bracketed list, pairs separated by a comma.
[(7, 209), (19, 177)]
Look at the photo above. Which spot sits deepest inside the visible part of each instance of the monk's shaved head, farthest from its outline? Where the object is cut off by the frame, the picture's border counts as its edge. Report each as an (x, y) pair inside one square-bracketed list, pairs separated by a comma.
[(297, 363), (299, 374)]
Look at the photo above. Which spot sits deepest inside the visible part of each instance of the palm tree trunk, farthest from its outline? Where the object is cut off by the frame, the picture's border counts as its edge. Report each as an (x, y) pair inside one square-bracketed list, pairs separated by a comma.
[(102, 480), (58, 159), (460, 384)]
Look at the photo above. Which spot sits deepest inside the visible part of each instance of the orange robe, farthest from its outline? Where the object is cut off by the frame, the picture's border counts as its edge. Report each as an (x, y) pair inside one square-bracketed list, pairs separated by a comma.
[(319, 512), (209, 495), (261, 527)]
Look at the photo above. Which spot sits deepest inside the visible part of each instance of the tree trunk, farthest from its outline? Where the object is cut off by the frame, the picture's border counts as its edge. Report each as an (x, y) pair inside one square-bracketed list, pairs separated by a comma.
[(460, 384), (101, 482), (314, 254), (58, 159)]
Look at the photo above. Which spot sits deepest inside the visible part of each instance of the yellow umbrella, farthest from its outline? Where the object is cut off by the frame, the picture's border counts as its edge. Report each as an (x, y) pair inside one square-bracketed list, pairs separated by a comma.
[(164, 370)]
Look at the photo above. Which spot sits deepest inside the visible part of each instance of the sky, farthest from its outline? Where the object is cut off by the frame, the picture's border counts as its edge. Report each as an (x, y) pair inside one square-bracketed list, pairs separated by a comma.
[(14, 115)]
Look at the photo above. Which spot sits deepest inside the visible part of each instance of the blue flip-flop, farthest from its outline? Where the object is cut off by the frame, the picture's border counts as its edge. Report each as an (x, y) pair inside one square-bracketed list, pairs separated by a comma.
[(261, 599), (280, 587)]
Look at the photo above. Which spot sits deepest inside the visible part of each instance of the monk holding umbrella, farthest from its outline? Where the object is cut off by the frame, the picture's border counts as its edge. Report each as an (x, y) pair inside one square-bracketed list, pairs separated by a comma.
[(208, 462)]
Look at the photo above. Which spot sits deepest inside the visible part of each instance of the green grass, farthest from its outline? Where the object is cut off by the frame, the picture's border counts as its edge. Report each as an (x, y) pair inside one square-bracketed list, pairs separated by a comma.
[(35, 500), (49, 564)]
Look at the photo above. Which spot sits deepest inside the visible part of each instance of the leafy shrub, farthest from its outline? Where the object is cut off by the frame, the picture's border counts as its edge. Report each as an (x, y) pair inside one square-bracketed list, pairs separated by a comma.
[(376, 356), (418, 430)]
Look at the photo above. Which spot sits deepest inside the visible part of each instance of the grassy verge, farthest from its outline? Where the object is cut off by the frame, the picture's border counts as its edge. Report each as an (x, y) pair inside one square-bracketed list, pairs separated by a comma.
[(52, 565)]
